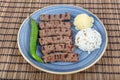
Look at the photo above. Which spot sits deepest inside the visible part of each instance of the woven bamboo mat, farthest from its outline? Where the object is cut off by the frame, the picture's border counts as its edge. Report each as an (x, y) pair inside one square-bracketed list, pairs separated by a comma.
[(14, 66)]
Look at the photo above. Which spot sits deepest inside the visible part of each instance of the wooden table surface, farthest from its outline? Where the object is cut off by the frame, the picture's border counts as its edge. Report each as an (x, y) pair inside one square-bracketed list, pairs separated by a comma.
[(14, 67)]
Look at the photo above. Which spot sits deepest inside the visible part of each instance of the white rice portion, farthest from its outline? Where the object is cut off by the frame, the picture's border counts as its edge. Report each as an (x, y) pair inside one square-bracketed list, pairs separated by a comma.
[(88, 39)]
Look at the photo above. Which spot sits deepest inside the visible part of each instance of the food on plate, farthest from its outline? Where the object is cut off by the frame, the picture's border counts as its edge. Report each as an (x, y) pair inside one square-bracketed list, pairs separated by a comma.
[(88, 39), (56, 37), (55, 40), (55, 32), (64, 57), (83, 21), (46, 49), (60, 17), (33, 40), (54, 24)]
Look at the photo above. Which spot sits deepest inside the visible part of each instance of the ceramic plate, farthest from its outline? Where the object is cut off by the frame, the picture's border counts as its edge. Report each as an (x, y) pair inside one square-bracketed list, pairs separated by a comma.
[(85, 60)]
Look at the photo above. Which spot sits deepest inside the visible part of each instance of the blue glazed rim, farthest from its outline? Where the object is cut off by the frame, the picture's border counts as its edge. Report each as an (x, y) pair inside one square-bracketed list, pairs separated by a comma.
[(58, 72)]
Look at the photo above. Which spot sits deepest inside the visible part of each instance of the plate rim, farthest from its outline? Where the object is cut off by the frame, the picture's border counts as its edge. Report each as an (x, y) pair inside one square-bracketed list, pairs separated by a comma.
[(69, 72)]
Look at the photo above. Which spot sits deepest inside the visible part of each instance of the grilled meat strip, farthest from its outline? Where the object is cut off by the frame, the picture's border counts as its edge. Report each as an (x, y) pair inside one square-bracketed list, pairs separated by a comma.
[(54, 24), (65, 57), (47, 17), (55, 39), (46, 49), (55, 32)]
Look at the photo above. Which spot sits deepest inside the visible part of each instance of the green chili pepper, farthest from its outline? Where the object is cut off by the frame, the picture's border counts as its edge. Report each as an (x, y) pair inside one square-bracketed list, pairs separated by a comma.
[(33, 40)]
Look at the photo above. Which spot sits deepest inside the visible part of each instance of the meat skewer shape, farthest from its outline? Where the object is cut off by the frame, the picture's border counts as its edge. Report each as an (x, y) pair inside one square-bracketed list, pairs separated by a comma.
[(57, 48), (55, 40), (55, 32), (54, 24), (64, 57), (60, 17)]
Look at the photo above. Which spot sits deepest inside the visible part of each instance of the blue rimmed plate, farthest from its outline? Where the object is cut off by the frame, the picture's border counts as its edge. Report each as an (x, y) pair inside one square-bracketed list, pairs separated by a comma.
[(85, 60)]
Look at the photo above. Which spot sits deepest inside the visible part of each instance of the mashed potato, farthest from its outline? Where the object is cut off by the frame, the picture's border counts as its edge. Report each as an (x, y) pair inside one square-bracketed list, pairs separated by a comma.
[(83, 21), (88, 39)]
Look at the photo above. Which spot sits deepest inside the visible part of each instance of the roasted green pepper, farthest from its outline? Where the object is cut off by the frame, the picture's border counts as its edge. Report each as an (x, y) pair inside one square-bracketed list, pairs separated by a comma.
[(33, 40)]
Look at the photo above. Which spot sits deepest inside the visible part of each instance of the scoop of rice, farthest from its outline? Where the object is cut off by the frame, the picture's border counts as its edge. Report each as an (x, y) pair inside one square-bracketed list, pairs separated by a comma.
[(88, 39)]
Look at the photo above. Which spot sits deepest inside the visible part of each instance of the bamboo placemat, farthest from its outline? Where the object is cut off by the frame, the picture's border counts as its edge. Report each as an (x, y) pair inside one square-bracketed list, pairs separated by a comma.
[(13, 65)]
